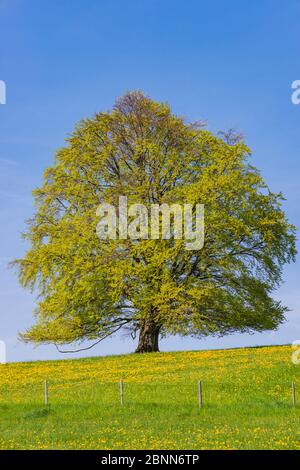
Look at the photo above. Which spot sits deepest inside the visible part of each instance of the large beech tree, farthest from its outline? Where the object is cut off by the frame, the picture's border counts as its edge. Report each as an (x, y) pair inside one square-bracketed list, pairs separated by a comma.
[(88, 289)]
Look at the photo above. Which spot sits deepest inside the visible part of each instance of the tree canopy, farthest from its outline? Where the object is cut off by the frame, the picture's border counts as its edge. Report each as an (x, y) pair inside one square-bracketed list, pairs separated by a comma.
[(88, 289)]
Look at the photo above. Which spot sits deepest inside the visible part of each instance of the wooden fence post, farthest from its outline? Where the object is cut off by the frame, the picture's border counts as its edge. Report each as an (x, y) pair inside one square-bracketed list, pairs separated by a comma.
[(200, 402), (293, 394), (122, 392), (46, 393)]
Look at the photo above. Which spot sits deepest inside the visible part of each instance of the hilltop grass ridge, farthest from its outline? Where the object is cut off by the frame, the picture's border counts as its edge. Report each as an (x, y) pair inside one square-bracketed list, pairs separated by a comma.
[(246, 401), (175, 351)]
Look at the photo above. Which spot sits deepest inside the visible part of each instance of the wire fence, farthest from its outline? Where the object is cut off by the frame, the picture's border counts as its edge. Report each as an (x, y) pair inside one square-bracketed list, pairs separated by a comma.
[(199, 394)]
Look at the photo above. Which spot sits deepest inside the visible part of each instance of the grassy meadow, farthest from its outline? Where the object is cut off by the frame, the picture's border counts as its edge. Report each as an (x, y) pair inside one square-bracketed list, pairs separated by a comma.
[(246, 402)]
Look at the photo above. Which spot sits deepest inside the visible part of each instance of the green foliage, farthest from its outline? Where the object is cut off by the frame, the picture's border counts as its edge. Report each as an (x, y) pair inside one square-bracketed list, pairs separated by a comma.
[(89, 289)]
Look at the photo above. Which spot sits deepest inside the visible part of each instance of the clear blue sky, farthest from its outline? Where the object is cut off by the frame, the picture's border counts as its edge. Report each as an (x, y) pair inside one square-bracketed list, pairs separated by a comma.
[(229, 62)]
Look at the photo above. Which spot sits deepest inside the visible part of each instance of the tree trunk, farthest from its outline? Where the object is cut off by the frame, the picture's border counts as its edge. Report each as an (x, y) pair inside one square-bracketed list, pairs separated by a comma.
[(148, 339)]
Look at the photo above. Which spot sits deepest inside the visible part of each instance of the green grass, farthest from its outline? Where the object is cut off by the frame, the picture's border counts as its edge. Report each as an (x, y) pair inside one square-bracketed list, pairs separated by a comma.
[(246, 402)]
